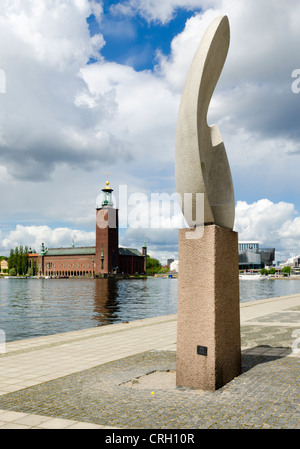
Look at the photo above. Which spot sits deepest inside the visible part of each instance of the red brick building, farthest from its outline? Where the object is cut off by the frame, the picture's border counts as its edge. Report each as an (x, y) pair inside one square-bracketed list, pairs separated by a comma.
[(104, 258)]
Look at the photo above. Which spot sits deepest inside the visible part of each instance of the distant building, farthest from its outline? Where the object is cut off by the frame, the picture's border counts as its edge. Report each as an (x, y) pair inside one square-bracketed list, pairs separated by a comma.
[(267, 256), (293, 262), (252, 257), (3, 265), (104, 258)]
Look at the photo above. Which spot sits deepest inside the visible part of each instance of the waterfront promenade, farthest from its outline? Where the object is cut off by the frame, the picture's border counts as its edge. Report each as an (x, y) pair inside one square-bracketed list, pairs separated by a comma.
[(122, 376)]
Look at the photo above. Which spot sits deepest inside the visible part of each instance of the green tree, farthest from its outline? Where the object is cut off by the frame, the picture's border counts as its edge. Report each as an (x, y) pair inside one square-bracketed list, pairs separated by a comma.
[(11, 259), (286, 271), (12, 272), (19, 260), (23, 260), (272, 271), (264, 272), (26, 260), (153, 265)]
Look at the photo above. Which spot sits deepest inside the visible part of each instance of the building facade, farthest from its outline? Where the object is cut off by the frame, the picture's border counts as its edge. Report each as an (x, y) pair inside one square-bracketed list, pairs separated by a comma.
[(293, 262), (3, 266), (102, 259), (252, 257)]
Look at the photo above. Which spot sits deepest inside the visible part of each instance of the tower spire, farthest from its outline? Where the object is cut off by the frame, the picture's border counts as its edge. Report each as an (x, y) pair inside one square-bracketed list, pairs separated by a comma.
[(107, 194)]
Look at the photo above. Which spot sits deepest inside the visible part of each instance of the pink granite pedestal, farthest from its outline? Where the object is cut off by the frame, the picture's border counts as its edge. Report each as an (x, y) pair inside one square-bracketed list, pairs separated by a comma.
[(208, 316)]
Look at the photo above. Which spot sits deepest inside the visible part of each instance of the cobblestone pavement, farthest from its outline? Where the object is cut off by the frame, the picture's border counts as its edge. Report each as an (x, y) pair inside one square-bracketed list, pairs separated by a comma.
[(273, 336), (264, 396)]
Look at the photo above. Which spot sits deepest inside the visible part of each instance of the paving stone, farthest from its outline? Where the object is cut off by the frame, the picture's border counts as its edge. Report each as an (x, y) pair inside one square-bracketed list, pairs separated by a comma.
[(264, 396), (268, 387)]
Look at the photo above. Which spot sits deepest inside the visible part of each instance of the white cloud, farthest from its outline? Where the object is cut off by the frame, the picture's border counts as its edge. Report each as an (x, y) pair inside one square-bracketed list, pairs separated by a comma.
[(50, 32), (52, 116), (291, 229), (96, 9), (63, 122), (174, 67), (255, 87), (41, 124), (155, 10), (274, 225), (253, 103), (145, 112), (34, 236)]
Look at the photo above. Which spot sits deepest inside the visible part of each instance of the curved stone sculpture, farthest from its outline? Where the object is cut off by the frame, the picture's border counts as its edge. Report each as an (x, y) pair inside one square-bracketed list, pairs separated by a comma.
[(201, 164)]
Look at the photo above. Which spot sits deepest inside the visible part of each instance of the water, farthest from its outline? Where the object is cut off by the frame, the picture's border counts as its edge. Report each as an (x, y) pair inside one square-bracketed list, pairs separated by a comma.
[(36, 307), (251, 290)]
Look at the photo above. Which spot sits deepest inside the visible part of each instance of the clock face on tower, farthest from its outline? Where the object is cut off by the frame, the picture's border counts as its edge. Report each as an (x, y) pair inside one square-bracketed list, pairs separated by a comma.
[(102, 218)]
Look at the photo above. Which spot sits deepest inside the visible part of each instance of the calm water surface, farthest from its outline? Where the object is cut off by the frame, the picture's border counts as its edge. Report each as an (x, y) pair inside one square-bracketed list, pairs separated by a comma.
[(36, 307)]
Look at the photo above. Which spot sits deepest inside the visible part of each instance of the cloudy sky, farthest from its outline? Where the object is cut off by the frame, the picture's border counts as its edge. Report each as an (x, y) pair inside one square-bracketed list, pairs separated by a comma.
[(88, 87)]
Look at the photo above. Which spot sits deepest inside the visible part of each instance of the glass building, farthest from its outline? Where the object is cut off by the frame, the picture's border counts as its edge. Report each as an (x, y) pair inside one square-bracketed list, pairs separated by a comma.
[(251, 257)]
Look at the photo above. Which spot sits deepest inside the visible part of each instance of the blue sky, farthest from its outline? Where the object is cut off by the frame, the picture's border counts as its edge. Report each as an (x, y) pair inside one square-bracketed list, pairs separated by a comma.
[(94, 86), (133, 40)]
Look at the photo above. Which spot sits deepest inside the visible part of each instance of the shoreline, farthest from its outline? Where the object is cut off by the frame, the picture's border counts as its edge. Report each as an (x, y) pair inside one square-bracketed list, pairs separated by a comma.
[(171, 275), (164, 276)]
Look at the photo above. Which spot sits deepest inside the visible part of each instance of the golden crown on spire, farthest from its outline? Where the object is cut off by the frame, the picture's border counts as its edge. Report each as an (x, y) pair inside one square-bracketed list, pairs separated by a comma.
[(107, 182)]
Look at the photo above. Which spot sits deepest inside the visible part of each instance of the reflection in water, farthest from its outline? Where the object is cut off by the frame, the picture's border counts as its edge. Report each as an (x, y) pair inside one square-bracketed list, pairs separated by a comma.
[(105, 300), (133, 299), (36, 307)]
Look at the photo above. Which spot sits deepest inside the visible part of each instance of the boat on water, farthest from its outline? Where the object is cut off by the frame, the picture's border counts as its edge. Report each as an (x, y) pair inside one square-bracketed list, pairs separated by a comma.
[(252, 276)]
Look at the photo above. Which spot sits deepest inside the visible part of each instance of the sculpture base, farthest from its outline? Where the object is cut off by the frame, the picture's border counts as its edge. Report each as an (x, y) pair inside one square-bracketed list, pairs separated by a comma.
[(208, 315)]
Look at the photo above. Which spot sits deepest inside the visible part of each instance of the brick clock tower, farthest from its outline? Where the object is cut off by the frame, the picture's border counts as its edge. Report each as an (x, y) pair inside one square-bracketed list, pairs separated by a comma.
[(144, 249), (107, 234)]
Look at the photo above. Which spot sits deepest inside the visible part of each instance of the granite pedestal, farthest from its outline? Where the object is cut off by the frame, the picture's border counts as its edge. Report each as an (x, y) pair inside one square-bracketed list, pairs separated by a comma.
[(208, 329)]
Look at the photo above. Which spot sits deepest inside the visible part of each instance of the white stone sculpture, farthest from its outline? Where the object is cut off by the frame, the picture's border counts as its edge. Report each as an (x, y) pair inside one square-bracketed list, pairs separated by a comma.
[(201, 164)]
